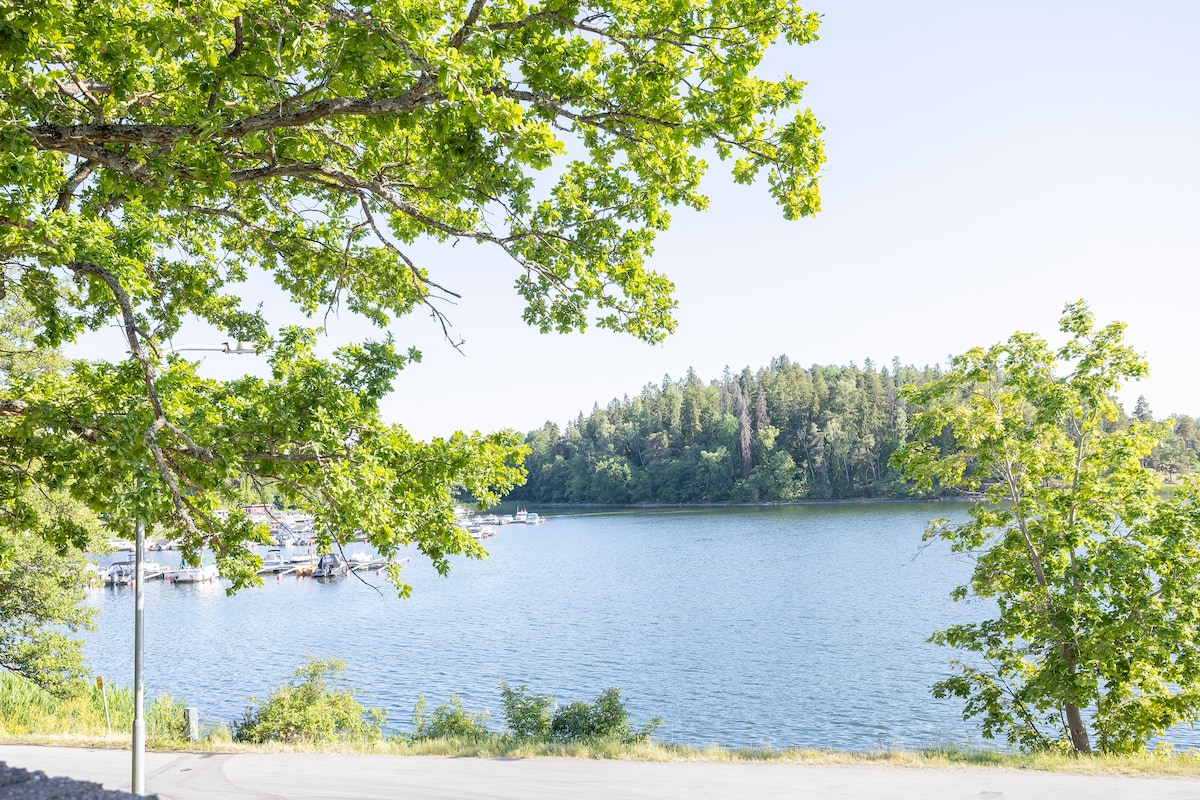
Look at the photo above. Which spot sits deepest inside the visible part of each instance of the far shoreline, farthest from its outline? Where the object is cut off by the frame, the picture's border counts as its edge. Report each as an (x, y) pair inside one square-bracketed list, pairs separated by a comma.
[(843, 501)]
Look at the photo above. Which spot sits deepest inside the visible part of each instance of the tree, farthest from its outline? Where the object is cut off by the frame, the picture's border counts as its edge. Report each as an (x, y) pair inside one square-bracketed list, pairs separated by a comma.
[(153, 157), (41, 595), (1141, 410), (1095, 577), (42, 581)]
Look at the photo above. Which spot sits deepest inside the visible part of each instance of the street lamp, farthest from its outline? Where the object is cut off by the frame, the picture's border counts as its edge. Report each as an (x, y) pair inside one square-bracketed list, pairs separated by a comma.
[(138, 782), (237, 348)]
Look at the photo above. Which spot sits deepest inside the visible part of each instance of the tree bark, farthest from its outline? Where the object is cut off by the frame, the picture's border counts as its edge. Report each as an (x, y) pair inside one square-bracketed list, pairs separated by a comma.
[(1079, 734)]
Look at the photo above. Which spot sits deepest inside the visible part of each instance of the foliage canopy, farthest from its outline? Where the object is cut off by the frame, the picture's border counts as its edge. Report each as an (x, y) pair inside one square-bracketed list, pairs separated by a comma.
[(41, 595), (153, 157), (42, 579), (1094, 573)]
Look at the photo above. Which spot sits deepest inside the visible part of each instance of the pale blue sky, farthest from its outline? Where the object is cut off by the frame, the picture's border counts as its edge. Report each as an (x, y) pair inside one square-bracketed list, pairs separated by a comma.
[(988, 163)]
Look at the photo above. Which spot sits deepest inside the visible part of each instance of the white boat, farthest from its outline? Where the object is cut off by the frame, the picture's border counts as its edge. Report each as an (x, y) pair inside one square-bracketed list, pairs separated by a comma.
[(273, 562), (123, 573), (533, 519), (507, 519), (479, 532), (202, 574), (521, 516), (362, 561)]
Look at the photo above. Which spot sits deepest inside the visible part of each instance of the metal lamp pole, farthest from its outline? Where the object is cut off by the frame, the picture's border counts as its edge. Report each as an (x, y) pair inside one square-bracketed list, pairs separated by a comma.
[(138, 781)]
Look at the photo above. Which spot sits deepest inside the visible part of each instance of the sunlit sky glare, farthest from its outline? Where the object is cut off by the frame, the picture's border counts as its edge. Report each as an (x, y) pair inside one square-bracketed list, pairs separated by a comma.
[(987, 164)]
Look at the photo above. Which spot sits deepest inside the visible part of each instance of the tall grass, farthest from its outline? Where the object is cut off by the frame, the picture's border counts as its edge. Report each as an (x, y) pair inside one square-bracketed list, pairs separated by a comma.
[(29, 713), (26, 709)]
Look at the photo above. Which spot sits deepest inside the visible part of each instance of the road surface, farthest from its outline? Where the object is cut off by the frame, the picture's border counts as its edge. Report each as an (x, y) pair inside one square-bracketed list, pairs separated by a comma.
[(206, 776)]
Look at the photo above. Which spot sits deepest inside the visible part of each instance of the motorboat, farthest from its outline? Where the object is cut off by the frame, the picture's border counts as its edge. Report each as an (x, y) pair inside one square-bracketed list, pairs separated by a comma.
[(365, 561), (273, 562), (204, 573), (330, 565), (480, 532), (123, 573), (120, 574)]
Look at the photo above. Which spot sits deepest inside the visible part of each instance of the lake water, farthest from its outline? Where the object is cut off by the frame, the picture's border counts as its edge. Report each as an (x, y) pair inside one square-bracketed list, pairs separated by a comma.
[(799, 625)]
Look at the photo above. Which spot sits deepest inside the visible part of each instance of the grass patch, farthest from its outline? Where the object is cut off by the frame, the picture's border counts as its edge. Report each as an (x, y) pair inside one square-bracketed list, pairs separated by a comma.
[(28, 711), (1183, 765), (30, 715)]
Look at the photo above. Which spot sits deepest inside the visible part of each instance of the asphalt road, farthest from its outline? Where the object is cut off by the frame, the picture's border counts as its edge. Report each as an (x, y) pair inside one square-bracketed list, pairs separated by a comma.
[(201, 776)]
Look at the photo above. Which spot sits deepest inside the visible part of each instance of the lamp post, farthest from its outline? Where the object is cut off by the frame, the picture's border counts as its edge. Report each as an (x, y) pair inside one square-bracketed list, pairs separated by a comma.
[(138, 781)]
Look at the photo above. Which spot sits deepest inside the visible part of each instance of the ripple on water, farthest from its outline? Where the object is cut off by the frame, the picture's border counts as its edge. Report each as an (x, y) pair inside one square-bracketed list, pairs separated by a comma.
[(773, 626)]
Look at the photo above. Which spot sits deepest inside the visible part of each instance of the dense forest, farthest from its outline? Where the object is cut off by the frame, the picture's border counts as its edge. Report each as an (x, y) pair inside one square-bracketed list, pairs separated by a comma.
[(783, 433)]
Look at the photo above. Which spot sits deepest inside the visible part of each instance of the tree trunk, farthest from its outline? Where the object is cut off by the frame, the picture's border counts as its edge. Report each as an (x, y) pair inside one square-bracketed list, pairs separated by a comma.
[(1079, 734), (1075, 724)]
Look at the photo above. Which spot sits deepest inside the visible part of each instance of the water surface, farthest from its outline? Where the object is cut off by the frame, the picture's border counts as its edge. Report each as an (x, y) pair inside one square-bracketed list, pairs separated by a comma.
[(799, 625)]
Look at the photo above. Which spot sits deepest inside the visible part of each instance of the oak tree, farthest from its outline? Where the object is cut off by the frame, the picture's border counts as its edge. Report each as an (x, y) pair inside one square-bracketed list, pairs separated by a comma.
[(155, 155)]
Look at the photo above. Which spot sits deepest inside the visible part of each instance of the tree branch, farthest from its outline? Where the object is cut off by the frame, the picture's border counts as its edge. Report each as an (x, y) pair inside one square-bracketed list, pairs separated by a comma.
[(12, 408), (84, 140), (67, 193)]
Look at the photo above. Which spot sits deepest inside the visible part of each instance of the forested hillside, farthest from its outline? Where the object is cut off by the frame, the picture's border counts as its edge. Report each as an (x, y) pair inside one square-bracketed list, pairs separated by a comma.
[(782, 433)]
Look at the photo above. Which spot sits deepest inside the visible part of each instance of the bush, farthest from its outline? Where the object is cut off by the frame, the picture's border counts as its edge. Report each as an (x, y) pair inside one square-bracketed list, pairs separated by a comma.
[(604, 718), (166, 720), (309, 710), (573, 721), (527, 716), (449, 721)]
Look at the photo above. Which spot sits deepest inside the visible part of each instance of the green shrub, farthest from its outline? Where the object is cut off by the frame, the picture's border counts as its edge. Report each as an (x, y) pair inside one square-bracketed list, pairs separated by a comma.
[(166, 720), (573, 721), (309, 710), (528, 716), (604, 718), (449, 721)]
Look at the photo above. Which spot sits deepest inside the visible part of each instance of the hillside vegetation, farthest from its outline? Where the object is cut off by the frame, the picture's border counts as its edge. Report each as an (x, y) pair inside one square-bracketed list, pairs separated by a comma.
[(781, 434)]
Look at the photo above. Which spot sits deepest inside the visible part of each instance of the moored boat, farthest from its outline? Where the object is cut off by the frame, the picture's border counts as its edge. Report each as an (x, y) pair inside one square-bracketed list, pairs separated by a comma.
[(361, 561), (330, 565), (481, 532), (123, 573), (273, 562), (204, 573)]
